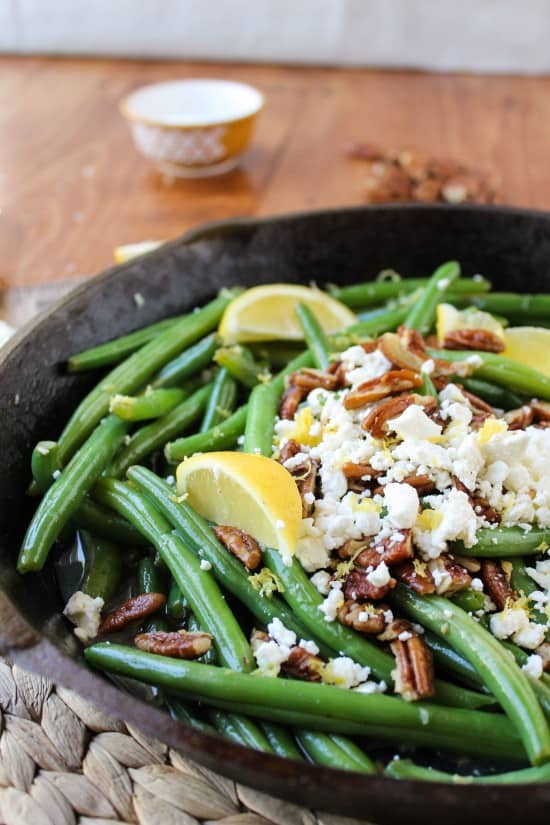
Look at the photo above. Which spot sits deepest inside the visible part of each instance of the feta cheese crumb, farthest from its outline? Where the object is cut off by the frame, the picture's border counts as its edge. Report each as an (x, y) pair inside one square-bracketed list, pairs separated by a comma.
[(309, 646), (333, 602), (541, 574), (269, 657), (514, 622), (428, 367), (56, 474), (321, 581), (533, 666), (414, 424), (281, 634), (380, 576), (84, 612), (403, 504), (343, 672), (404, 636), (205, 565), (477, 585)]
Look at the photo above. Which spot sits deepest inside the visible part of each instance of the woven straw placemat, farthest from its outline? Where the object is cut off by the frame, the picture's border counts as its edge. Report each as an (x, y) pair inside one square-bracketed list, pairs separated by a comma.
[(64, 762)]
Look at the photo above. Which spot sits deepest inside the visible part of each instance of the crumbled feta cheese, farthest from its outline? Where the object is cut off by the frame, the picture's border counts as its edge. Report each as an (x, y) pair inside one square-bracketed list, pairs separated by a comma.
[(333, 601), (345, 673), (321, 581), (403, 504), (205, 565), (360, 366), (404, 636), (541, 574), (269, 657), (514, 622), (281, 634), (456, 520), (414, 424), (309, 646), (477, 585), (428, 367), (380, 576), (371, 687), (311, 549), (84, 612), (533, 666)]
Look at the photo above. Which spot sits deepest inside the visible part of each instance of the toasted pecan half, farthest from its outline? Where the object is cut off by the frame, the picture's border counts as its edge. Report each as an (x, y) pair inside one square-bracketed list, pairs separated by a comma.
[(394, 549), (476, 339), (240, 544), (311, 379), (180, 644), (303, 665), (357, 587), (137, 607), (391, 383), (414, 677), (290, 401), (417, 576), (365, 618), (496, 584)]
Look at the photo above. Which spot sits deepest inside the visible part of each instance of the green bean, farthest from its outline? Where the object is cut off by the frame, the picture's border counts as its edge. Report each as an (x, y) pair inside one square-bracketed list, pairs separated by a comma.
[(499, 672), (112, 352), (469, 600), (376, 292), (240, 364), (276, 353), (336, 709), (67, 492), (176, 606), (453, 662), (45, 464), (504, 542), (501, 370), (103, 568), (421, 316), (492, 393), (135, 371), (153, 436), (304, 600), (427, 387), (150, 578), (183, 713), (510, 304), (227, 569), (222, 401), (314, 336), (187, 364), (405, 769), (540, 687), (199, 586), (281, 741), (260, 420), (240, 729), (151, 404), (101, 522), (323, 750), (377, 321), (221, 437)]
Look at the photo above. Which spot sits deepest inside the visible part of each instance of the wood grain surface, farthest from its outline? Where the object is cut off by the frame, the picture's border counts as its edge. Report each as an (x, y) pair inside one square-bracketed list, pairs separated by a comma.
[(72, 186)]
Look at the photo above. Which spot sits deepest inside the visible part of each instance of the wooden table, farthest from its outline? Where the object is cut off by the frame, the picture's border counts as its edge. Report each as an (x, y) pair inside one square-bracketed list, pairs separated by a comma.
[(72, 186)]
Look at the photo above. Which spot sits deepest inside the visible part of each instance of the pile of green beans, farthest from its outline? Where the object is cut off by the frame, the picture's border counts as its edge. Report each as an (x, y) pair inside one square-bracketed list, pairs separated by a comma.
[(174, 390)]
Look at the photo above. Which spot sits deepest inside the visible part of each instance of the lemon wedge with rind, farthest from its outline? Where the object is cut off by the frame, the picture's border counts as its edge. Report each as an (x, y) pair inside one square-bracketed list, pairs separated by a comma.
[(128, 251), (248, 491), (267, 313), (529, 346), (450, 319)]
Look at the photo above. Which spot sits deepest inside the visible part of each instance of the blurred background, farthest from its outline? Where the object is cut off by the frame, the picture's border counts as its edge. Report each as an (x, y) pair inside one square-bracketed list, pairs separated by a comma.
[(366, 101)]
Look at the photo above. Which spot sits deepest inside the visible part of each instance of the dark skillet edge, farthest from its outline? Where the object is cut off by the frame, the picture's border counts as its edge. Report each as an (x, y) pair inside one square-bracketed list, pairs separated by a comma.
[(320, 788)]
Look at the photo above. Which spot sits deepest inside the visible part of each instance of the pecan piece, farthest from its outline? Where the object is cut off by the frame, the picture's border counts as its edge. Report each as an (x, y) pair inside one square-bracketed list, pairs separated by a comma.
[(290, 449), (449, 576), (386, 182), (480, 339), (543, 651), (240, 545), (311, 379), (422, 484), (364, 618), (416, 575), (180, 644), (541, 410), (137, 607), (496, 584), (480, 505), (376, 420), (305, 476), (392, 550), (392, 383), (303, 665), (415, 678), (356, 472), (478, 404), (352, 547), (472, 565), (290, 401), (520, 418), (357, 587)]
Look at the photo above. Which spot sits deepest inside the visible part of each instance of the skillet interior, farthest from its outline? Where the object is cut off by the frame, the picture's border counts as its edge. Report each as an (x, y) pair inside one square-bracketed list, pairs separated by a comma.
[(511, 247)]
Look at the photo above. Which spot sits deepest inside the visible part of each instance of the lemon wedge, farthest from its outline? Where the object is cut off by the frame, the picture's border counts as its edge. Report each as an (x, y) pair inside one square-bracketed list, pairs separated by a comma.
[(449, 319), (529, 346), (251, 492), (266, 313), (126, 252)]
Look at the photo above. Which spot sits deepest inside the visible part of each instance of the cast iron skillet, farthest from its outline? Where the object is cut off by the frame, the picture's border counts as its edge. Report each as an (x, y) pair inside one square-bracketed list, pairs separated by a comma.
[(510, 246)]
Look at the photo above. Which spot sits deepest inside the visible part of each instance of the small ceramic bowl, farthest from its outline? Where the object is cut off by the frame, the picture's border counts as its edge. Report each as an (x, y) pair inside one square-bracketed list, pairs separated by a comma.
[(192, 128)]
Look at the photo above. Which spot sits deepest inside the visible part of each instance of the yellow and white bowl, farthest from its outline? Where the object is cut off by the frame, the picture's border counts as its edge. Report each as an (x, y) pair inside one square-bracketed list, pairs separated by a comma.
[(192, 128)]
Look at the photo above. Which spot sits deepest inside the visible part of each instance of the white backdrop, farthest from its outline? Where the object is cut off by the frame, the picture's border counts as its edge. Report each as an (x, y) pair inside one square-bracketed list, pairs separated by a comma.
[(477, 35)]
